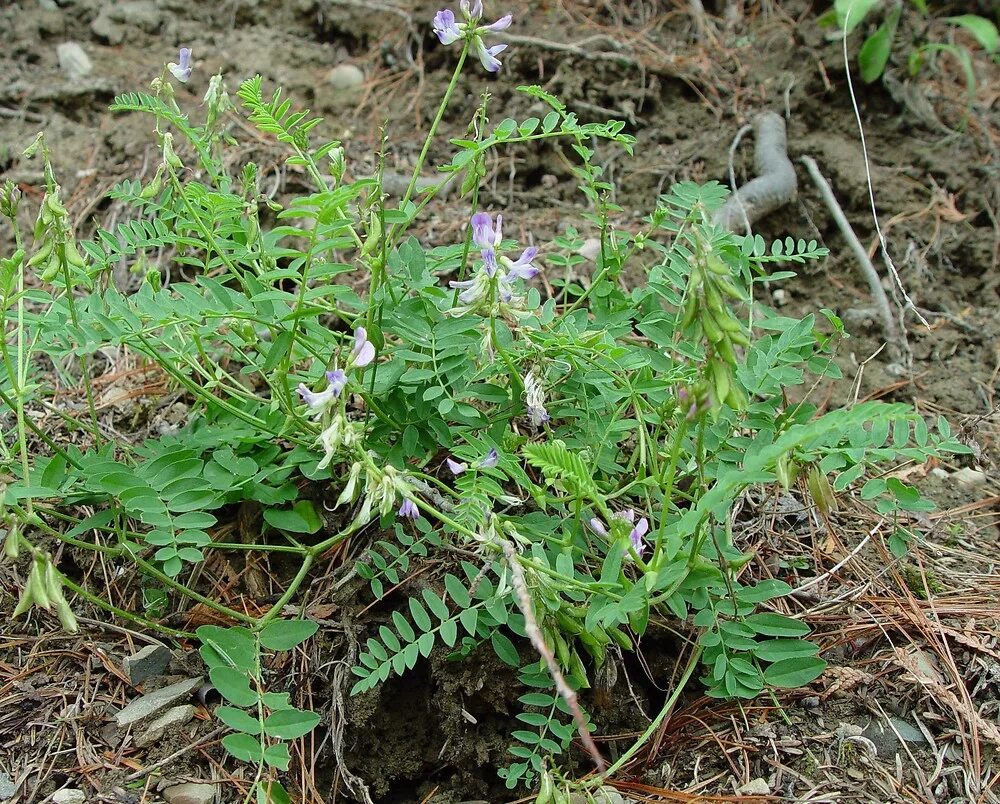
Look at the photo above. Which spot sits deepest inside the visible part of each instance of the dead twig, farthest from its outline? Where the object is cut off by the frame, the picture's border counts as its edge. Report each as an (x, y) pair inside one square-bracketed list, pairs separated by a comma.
[(890, 328), (535, 635), (775, 184)]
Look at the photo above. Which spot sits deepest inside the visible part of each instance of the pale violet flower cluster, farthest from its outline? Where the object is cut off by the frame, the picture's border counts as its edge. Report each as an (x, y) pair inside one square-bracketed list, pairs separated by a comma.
[(491, 291), (449, 30), (488, 462), (327, 406), (383, 486), (637, 533), (534, 399)]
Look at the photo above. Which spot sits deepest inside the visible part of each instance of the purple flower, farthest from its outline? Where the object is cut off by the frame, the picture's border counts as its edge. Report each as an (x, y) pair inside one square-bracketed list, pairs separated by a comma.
[(489, 261), (408, 510), (484, 234), (488, 55), (363, 352), (182, 69), (501, 24), (491, 459), (636, 534), (337, 379), (446, 28), (449, 30), (522, 268), (456, 467)]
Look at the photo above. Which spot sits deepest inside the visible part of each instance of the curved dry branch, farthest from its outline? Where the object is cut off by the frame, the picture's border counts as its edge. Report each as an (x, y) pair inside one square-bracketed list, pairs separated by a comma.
[(775, 184)]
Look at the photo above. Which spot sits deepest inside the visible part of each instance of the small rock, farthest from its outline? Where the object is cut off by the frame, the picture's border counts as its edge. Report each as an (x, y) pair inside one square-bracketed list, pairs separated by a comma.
[(153, 703), (780, 296), (190, 793), (7, 787), (106, 30), (173, 718), (345, 77), (755, 787), (906, 730), (969, 478), (151, 661), (144, 14), (882, 738), (590, 249), (859, 317), (811, 702), (73, 60), (939, 474), (69, 796), (48, 5)]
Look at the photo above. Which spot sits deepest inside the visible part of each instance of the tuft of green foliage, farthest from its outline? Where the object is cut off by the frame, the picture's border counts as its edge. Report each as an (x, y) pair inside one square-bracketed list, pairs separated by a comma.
[(875, 51), (594, 439)]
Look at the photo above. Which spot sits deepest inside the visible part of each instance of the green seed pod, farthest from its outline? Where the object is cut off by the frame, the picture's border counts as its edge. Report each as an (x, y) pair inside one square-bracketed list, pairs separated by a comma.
[(73, 256), (55, 206), (152, 189), (720, 379), (712, 331), (546, 791), (12, 542), (43, 253), (821, 491), (66, 617), (620, 637), (717, 266), (567, 623), (52, 267), (26, 601)]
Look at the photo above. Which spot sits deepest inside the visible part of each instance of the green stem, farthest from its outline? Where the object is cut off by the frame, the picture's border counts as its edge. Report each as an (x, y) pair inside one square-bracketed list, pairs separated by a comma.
[(655, 725), (128, 616), (433, 130), (293, 587)]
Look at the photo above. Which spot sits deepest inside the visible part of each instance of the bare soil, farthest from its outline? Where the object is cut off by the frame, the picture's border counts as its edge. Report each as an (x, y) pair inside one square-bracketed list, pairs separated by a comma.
[(914, 640)]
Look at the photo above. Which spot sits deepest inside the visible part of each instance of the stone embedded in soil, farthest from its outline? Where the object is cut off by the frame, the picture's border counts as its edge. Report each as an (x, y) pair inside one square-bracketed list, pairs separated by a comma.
[(69, 796), (155, 702), (7, 787), (190, 793), (755, 787), (886, 736), (144, 14), (149, 662), (969, 478), (345, 78), (603, 795), (105, 30), (172, 719), (73, 60)]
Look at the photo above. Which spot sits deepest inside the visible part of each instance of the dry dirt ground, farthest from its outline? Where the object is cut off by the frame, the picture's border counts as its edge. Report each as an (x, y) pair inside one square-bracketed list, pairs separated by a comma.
[(908, 710)]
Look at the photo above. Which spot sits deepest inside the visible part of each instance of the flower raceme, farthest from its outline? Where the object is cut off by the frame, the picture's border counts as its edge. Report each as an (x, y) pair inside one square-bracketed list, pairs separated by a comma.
[(449, 30), (491, 289), (636, 535), (320, 402)]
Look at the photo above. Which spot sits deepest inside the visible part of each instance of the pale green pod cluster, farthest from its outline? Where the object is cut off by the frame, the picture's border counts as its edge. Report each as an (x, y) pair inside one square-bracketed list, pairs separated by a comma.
[(706, 309), (57, 249), (44, 588)]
